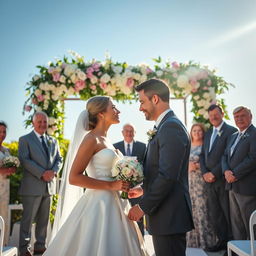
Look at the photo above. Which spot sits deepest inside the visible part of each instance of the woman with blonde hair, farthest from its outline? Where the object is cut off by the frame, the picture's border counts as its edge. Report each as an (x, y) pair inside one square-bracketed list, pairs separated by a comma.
[(202, 236), (98, 224)]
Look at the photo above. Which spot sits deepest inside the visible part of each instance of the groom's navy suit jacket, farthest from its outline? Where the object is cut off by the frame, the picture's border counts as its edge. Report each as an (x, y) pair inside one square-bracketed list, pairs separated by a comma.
[(166, 200), (242, 162)]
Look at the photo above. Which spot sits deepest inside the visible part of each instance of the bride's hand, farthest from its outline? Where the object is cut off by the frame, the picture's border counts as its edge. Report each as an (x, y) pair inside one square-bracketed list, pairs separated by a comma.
[(120, 185)]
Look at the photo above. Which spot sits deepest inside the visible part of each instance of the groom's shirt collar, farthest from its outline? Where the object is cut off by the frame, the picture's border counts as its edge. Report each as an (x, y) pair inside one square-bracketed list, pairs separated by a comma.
[(160, 118)]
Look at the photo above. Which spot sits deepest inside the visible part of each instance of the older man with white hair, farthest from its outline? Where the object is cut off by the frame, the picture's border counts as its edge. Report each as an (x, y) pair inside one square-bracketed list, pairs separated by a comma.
[(40, 158), (239, 168)]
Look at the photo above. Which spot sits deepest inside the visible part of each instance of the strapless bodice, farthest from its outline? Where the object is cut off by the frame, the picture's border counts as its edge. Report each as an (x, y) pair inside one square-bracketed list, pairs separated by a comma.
[(101, 164)]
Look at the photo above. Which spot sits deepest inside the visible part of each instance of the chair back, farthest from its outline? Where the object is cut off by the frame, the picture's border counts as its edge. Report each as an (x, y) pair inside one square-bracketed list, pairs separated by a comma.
[(1, 234), (252, 223)]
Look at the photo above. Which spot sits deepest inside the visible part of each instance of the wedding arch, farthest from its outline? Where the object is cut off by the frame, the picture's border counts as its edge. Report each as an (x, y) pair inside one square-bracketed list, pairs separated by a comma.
[(75, 77)]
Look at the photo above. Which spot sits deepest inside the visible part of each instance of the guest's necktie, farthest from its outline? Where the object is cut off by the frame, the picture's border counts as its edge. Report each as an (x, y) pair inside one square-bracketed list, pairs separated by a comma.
[(213, 137), (128, 152), (235, 143), (44, 145)]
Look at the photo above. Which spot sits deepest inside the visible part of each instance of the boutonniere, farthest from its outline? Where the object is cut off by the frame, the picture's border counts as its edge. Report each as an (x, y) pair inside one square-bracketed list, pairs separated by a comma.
[(219, 133), (151, 133), (49, 141), (245, 135)]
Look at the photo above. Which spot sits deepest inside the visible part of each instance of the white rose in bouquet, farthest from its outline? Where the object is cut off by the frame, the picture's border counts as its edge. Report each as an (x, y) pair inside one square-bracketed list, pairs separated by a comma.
[(128, 169)]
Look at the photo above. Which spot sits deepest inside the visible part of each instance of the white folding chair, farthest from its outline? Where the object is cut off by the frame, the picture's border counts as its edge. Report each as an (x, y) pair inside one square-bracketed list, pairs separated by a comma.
[(245, 247), (5, 251)]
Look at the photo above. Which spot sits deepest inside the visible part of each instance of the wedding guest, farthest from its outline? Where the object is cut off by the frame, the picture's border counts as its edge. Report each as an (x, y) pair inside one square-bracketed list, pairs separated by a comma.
[(4, 182), (40, 157), (202, 236), (131, 147), (239, 167), (214, 145)]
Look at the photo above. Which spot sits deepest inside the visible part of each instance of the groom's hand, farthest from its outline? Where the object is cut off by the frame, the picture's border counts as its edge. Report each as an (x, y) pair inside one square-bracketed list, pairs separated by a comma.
[(135, 213), (135, 192)]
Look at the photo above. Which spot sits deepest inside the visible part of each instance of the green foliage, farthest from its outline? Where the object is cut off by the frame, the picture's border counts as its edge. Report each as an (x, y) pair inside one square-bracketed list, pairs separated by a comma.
[(75, 77)]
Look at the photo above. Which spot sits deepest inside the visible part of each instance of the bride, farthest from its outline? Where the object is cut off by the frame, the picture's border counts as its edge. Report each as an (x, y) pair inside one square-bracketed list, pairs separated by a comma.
[(98, 224)]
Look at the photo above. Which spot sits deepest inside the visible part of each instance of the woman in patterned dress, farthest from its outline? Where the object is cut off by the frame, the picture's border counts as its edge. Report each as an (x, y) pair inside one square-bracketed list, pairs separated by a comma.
[(202, 236), (4, 182)]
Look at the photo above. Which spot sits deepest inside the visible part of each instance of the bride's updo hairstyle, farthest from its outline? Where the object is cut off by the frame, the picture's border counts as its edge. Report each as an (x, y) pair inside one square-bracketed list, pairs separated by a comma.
[(94, 106)]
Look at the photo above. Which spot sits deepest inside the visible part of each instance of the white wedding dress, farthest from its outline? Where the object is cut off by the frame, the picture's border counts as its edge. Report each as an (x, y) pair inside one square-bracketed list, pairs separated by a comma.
[(98, 224)]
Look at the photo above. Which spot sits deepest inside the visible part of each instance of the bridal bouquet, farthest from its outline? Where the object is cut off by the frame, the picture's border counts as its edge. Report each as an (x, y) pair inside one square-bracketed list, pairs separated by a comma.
[(10, 161), (128, 169)]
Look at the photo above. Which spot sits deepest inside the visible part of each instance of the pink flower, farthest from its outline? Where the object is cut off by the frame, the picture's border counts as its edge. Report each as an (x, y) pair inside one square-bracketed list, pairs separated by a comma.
[(34, 101), (79, 85), (103, 86), (193, 81), (175, 65), (175, 75), (89, 75), (40, 98), (89, 70), (27, 108), (96, 66), (209, 82), (56, 77), (63, 65), (149, 70), (130, 82), (194, 90), (203, 74), (93, 87)]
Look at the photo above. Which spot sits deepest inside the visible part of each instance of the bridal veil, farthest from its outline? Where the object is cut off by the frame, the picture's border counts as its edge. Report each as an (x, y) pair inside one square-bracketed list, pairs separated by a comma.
[(69, 194)]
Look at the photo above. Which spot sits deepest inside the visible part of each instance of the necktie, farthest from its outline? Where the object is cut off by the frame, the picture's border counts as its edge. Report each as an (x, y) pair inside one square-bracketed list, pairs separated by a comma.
[(235, 143), (44, 146), (128, 152), (213, 137)]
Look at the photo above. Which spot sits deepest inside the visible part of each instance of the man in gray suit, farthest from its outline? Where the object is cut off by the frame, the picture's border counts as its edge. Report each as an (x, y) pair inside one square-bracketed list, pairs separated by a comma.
[(239, 167), (166, 200), (214, 145), (131, 147), (40, 157)]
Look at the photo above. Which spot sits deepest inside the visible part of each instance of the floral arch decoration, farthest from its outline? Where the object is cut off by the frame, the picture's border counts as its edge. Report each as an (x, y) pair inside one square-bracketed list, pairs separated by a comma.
[(66, 78)]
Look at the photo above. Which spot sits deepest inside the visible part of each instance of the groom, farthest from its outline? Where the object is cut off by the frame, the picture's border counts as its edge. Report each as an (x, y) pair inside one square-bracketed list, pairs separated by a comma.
[(166, 200)]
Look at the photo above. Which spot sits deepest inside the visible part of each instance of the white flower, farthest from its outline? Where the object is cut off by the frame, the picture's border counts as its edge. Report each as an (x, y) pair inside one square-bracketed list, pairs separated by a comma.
[(10, 161), (182, 81), (52, 120), (38, 92), (35, 77), (151, 134), (81, 75), (50, 131), (74, 78), (159, 73), (117, 69), (70, 69), (62, 79), (105, 78)]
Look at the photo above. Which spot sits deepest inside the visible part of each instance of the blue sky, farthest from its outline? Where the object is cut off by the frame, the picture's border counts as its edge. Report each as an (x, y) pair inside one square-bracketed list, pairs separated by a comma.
[(220, 33)]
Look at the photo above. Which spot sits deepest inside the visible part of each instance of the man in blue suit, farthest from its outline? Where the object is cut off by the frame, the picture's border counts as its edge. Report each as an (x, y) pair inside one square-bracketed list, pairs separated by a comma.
[(131, 147), (166, 201), (214, 145), (239, 167)]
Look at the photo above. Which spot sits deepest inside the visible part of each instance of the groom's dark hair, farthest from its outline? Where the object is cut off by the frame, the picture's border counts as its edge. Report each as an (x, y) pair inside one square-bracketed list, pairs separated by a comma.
[(155, 86)]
